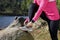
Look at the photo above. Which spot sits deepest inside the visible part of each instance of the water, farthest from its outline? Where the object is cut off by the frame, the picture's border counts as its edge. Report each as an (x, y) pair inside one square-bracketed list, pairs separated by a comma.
[(6, 20)]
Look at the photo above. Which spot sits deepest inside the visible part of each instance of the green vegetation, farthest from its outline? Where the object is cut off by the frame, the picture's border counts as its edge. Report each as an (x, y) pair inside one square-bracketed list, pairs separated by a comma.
[(58, 3), (17, 6), (14, 6)]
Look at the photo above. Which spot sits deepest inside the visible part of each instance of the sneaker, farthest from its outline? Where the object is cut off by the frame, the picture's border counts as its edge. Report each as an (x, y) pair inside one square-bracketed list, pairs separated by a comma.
[(26, 29)]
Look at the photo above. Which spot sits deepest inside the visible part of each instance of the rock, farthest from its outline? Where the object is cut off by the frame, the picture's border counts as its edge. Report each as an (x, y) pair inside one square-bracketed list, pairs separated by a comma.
[(12, 32)]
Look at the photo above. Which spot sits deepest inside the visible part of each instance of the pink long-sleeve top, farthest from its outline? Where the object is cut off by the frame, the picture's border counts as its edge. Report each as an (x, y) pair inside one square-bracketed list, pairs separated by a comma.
[(49, 7)]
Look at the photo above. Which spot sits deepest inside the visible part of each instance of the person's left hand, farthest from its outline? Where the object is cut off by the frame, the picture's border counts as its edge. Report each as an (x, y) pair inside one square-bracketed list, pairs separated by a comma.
[(30, 24)]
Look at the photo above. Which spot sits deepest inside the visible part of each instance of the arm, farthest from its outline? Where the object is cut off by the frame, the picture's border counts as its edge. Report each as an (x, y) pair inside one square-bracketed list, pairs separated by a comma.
[(41, 6), (32, 10)]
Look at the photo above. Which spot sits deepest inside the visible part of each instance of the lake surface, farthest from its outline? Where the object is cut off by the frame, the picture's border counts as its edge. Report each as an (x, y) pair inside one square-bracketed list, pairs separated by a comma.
[(6, 20)]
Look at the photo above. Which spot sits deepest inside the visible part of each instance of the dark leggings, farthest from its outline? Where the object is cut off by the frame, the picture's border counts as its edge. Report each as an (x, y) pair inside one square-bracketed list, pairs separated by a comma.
[(53, 25)]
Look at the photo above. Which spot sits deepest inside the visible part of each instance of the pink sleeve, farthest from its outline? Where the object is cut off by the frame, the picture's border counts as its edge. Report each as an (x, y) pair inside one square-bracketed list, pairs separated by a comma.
[(34, 1), (39, 11)]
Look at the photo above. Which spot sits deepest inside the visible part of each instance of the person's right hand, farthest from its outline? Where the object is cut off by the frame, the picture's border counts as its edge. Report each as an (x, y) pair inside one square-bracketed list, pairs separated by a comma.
[(26, 21)]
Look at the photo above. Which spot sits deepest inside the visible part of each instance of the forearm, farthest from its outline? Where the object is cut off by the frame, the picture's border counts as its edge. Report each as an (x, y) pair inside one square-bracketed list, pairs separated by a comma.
[(32, 10), (40, 9)]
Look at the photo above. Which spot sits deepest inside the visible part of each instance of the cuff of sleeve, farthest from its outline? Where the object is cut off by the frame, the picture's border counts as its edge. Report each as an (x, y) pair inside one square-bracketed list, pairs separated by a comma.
[(32, 21)]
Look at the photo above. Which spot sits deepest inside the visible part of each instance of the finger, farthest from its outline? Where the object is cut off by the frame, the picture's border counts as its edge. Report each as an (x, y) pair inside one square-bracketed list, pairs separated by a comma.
[(25, 23)]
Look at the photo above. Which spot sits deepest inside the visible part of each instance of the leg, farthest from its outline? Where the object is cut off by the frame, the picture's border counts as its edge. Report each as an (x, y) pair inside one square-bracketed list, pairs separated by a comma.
[(53, 26), (53, 29)]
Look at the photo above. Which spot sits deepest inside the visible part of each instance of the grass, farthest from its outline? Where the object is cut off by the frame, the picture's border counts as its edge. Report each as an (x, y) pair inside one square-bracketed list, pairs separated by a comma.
[(59, 35), (58, 3), (43, 35)]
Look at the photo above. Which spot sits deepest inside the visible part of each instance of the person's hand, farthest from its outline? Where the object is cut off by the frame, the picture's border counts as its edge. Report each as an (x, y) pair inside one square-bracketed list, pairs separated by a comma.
[(30, 24), (26, 21)]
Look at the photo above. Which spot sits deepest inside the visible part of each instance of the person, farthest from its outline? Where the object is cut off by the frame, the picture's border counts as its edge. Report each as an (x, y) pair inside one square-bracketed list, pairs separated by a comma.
[(47, 10)]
